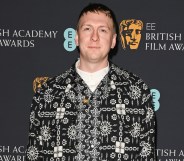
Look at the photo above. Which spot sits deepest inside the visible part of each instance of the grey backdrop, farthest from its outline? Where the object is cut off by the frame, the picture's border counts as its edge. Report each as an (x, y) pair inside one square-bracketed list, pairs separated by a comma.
[(19, 66)]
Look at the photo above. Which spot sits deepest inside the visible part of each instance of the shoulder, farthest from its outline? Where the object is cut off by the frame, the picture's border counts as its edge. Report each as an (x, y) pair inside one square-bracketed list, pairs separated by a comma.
[(56, 83), (126, 75), (135, 87)]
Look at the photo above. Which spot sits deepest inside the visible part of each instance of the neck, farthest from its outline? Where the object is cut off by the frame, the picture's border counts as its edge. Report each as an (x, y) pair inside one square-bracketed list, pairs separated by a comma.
[(92, 67)]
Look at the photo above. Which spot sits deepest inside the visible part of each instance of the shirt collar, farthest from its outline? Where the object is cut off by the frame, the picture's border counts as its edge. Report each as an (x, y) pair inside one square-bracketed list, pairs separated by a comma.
[(100, 72)]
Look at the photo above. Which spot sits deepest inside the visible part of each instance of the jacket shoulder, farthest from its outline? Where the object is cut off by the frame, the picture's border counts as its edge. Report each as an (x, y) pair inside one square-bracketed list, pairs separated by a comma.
[(133, 85), (126, 75), (56, 82)]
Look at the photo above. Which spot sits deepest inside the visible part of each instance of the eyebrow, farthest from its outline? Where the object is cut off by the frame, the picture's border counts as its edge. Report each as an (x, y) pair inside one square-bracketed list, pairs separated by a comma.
[(106, 27), (99, 26), (85, 25)]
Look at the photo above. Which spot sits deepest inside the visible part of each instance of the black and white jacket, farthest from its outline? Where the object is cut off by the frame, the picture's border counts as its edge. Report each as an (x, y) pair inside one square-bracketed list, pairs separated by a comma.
[(68, 122)]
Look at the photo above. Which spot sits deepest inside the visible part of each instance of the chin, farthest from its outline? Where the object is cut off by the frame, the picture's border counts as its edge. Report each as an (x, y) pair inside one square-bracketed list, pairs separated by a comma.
[(133, 47)]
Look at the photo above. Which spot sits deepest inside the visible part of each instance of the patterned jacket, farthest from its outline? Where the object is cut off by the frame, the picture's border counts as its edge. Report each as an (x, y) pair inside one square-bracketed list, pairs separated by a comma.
[(68, 122)]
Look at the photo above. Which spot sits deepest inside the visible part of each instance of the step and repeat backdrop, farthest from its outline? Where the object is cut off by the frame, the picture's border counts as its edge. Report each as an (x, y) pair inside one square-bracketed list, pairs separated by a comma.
[(37, 42)]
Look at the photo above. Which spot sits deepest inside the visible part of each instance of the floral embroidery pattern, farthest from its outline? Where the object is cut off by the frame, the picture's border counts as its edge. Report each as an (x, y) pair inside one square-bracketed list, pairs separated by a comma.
[(72, 132), (135, 92), (146, 149), (135, 132), (32, 153), (116, 123), (105, 128), (45, 132)]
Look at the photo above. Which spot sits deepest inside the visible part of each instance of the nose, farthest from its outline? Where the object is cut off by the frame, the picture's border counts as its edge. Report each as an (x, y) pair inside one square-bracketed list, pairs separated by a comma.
[(95, 35), (133, 35)]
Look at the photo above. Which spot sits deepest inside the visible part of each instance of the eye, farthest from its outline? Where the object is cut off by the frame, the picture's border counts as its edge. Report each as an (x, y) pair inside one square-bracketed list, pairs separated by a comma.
[(103, 30), (86, 29), (128, 33), (138, 32)]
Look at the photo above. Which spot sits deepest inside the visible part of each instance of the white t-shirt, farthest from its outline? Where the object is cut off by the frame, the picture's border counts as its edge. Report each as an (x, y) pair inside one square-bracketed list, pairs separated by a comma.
[(92, 79)]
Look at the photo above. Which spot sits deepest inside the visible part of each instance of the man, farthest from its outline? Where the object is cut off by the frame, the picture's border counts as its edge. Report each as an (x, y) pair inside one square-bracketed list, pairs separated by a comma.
[(94, 111), (130, 33)]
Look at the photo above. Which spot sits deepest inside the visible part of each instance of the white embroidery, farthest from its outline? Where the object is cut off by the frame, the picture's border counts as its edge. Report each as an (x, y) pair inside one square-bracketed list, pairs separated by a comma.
[(120, 109), (105, 128), (113, 85), (60, 113), (48, 97), (120, 147), (149, 114), (45, 132), (72, 132), (68, 88), (40, 139), (32, 153), (135, 92), (112, 120), (146, 149), (135, 131), (58, 151)]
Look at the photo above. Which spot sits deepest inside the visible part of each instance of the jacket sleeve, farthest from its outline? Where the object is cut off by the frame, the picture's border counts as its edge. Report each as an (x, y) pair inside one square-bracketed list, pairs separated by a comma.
[(148, 130), (34, 147)]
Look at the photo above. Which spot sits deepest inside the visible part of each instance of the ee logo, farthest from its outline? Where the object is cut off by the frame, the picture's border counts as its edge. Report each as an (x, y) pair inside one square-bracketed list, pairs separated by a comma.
[(69, 43), (156, 96)]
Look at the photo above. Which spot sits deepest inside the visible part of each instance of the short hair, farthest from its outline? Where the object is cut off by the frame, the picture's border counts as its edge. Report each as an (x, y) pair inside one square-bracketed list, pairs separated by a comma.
[(96, 8)]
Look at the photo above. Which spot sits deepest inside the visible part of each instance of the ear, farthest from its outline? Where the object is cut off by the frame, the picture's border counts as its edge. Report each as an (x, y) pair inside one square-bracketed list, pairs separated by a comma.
[(113, 41), (76, 38)]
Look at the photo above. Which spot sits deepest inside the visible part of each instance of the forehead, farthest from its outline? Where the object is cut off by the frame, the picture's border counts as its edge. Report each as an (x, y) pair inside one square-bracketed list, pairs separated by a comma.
[(134, 26), (95, 18)]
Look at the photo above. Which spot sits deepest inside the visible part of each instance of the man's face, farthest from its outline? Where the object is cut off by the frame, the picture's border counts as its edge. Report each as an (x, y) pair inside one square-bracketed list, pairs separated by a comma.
[(133, 36), (95, 36)]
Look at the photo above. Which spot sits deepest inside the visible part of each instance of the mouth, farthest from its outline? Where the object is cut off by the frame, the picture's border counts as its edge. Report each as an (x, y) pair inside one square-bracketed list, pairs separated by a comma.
[(133, 43), (93, 47)]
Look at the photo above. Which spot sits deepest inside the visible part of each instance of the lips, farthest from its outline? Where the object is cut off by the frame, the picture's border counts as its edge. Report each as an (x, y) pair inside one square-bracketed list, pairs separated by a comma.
[(93, 47), (133, 43)]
